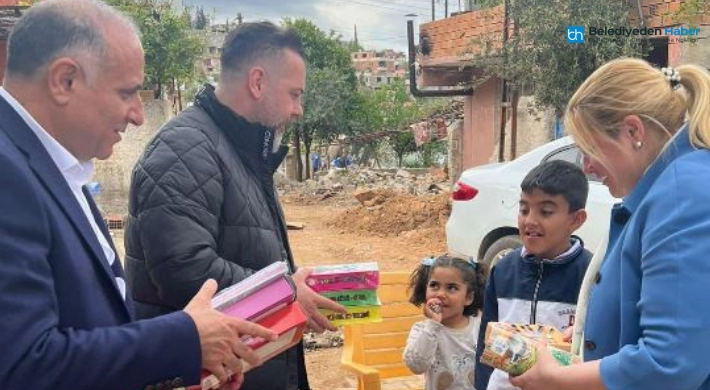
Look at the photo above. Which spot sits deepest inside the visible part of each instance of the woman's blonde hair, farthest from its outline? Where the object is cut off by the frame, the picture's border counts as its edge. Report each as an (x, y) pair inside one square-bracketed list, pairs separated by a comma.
[(629, 86)]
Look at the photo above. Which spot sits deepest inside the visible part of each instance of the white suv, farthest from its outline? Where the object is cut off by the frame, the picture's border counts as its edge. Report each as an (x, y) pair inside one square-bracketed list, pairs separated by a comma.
[(484, 215)]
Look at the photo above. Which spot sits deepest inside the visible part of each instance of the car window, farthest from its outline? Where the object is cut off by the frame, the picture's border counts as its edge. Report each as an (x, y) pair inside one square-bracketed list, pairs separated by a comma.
[(569, 153)]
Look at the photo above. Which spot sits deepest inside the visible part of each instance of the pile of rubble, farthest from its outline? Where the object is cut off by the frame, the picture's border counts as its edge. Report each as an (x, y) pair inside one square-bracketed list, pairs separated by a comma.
[(336, 186), (388, 213), (313, 341)]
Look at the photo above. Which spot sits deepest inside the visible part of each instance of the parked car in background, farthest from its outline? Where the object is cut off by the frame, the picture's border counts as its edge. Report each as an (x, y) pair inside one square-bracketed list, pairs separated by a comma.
[(484, 214)]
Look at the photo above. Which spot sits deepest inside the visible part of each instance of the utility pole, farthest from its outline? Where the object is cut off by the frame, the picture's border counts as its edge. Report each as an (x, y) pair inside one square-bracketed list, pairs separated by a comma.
[(239, 17), (446, 8), (433, 11)]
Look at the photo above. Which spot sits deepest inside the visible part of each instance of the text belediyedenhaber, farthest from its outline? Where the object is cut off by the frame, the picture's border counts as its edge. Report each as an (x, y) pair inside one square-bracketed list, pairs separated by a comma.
[(644, 31)]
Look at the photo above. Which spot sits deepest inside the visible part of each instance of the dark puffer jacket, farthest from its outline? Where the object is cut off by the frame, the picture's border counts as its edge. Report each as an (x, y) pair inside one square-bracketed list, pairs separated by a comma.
[(202, 205)]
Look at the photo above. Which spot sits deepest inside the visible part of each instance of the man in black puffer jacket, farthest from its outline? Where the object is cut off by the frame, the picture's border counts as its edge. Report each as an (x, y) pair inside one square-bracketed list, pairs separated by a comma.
[(202, 200)]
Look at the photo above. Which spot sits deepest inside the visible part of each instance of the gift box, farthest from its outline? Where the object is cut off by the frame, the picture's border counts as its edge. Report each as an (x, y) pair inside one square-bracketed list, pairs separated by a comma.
[(266, 297), (258, 295), (332, 278), (353, 297), (354, 315), (288, 322), (513, 348)]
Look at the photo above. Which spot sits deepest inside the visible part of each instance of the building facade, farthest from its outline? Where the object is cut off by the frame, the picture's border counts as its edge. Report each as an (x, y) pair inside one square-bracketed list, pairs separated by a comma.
[(449, 42)]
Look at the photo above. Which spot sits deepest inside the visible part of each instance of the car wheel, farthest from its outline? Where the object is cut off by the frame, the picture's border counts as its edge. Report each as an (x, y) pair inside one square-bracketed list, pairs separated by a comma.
[(500, 248)]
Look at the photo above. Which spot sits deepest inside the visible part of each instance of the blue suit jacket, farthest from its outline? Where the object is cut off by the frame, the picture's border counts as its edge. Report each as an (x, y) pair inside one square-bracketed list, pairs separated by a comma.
[(63, 322), (649, 313)]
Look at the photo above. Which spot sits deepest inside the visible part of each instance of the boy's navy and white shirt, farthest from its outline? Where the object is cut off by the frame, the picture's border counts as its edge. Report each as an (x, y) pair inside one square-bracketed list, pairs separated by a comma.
[(525, 289)]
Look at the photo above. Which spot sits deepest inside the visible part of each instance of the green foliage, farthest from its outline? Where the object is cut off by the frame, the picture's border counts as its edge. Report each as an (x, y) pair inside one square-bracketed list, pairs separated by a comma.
[(325, 104), (170, 49), (330, 87), (393, 108), (330, 83), (690, 12), (402, 144), (323, 50), (539, 56)]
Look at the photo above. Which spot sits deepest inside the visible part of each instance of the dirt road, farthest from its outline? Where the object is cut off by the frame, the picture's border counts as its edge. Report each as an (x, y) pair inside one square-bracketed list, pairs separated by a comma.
[(321, 243)]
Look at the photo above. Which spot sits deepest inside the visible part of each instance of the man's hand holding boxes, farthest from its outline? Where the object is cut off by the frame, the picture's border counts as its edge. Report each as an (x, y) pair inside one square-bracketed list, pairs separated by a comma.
[(351, 285)]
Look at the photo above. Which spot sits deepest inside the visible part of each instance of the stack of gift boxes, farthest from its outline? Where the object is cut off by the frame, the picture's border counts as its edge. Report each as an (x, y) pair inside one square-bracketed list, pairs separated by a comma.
[(267, 297), (351, 285)]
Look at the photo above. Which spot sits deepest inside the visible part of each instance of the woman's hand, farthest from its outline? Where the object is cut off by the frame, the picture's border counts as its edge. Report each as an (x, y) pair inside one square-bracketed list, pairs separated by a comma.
[(542, 374)]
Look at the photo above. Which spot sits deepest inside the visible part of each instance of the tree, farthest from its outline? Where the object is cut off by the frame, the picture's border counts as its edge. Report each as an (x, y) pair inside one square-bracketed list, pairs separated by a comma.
[(325, 108), (393, 108), (403, 144), (170, 49), (201, 20), (330, 87), (538, 54), (323, 49)]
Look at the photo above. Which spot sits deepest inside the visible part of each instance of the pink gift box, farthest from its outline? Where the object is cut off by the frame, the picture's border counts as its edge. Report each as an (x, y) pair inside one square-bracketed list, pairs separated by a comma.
[(258, 295), (358, 276)]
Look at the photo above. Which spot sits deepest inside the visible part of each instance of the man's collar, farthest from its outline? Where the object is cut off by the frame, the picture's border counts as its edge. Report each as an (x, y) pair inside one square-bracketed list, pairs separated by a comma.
[(80, 172)]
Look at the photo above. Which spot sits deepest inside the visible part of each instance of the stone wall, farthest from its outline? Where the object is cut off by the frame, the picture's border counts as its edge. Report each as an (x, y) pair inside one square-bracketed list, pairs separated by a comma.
[(114, 174), (533, 130), (696, 53)]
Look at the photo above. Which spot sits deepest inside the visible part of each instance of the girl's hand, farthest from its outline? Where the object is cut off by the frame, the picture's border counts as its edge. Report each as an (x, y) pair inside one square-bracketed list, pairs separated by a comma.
[(432, 309)]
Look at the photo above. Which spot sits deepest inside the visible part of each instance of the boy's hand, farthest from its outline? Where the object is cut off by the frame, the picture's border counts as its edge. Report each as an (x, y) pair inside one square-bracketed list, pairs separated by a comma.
[(432, 309)]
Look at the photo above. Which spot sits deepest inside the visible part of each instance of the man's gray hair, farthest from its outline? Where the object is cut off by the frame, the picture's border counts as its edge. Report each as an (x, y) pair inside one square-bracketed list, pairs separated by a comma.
[(61, 28)]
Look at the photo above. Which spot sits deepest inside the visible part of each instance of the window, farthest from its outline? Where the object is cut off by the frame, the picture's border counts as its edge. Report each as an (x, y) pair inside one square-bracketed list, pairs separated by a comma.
[(569, 153)]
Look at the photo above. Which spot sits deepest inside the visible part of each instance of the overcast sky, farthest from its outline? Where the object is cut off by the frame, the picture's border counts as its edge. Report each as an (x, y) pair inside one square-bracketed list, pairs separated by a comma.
[(381, 24)]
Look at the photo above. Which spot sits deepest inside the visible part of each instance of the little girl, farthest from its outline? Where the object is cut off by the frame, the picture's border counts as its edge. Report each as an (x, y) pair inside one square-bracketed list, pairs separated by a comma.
[(444, 345)]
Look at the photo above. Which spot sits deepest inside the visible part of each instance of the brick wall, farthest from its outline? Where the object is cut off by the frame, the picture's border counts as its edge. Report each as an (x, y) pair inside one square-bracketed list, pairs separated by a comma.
[(657, 12), (452, 36)]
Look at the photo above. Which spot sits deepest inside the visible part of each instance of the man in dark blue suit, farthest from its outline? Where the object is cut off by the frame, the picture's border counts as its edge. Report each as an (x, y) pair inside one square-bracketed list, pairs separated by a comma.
[(74, 68)]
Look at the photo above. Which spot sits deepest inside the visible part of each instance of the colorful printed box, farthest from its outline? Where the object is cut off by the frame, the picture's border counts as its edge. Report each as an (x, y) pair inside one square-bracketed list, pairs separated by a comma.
[(354, 315), (358, 276), (513, 348), (248, 286), (353, 297)]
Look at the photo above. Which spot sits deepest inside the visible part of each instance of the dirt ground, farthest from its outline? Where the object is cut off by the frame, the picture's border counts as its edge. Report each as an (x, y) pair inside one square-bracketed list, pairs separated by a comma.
[(335, 234)]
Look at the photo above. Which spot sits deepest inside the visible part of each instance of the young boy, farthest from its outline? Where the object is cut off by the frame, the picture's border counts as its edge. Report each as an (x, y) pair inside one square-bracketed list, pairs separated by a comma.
[(539, 283)]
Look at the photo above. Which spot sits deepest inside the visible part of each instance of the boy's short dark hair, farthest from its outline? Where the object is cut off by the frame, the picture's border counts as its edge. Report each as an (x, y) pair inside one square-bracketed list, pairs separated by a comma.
[(559, 177)]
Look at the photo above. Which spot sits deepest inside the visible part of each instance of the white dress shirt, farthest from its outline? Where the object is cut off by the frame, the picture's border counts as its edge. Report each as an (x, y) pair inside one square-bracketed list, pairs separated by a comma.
[(76, 173)]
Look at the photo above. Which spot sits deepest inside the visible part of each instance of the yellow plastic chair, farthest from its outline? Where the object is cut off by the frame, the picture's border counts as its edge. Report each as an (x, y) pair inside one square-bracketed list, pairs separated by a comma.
[(373, 351)]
